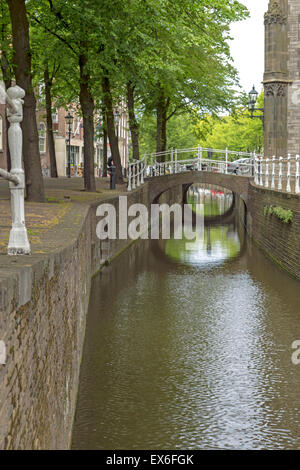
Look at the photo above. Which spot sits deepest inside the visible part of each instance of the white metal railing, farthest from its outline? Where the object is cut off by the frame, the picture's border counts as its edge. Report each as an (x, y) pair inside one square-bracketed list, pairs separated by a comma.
[(198, 159), (136, 173), (18, 239), (282, 174), (196, 152)]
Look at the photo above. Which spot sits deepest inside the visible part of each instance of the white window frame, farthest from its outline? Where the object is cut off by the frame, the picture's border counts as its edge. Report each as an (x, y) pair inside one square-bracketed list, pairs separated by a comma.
[(42, 137)]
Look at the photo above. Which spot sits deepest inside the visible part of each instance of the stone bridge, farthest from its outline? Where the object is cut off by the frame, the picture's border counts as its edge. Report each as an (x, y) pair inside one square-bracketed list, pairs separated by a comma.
[(279, 240), (158, 185)]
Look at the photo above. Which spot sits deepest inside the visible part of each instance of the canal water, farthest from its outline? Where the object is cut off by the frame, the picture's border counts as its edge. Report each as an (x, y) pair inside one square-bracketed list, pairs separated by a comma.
[(191, 349)]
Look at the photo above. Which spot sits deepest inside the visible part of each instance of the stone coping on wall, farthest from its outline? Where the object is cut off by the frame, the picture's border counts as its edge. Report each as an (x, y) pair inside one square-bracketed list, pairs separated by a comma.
[(276, 192)]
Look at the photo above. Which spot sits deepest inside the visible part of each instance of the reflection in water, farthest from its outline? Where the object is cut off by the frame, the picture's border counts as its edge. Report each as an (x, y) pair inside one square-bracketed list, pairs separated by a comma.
[(214, 246), (216, 200), (191, 350)]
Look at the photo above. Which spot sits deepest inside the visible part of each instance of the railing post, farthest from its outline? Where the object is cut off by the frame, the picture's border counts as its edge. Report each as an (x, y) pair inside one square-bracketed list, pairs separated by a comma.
[(288, 181), (142, 171), (255, 162), (226, 160), (129, 177), (138, 174), (267, 173), (297, 182), (273, 172), (280, 173), (176, 166), (133, 176), (261, 172)]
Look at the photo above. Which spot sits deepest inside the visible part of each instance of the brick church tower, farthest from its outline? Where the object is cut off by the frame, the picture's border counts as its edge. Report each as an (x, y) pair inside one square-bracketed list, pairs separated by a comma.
[(282, 78)]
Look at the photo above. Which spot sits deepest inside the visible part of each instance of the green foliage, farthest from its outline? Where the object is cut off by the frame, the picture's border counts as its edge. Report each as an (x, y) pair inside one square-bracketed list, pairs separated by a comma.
[(180, 132), (179, 48), (284, 215), (236, 131)]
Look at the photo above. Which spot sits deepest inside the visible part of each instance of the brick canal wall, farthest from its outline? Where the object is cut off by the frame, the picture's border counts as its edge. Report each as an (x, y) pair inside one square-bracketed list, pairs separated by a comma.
[(279, 240), (43, 307)]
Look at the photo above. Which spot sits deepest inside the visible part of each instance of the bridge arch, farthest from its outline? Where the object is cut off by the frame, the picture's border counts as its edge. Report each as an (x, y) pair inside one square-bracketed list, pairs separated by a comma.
[(239, 185)]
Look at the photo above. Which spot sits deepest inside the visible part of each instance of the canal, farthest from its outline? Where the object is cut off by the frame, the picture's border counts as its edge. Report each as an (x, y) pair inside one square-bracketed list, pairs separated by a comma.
[(191, 349)]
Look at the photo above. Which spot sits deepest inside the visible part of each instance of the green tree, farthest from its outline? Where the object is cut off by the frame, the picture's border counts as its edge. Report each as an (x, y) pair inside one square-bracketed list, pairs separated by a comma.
[(196, 70), (51, 66), (181, 133), (22, 58), (237, 132)]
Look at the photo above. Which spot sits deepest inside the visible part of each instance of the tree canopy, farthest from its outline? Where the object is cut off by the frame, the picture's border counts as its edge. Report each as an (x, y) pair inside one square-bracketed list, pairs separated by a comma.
[(165, 59)]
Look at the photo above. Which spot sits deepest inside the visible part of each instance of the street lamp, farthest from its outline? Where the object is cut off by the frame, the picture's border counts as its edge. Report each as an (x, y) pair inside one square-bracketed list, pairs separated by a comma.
[(253, 95), (69, 121)]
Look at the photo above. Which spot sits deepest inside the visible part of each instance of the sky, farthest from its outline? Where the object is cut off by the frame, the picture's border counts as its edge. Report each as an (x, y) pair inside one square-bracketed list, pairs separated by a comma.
[(247, 47)]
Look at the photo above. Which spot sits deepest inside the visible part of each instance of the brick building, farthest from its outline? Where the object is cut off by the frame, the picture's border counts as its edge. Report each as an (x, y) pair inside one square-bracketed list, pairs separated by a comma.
[(282, 78), (77, 144), (61, 142)]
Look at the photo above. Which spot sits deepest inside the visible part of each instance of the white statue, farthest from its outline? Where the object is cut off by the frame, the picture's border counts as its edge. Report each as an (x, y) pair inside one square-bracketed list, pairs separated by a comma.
[(18, 239)]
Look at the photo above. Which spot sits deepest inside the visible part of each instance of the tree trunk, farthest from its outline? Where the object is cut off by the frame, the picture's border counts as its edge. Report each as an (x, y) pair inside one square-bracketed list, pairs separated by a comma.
[(133, 124), (159, 120), (164, 128), (7, 81), (5, 68), (161, 124), (22, 68), (104, 143), (48, 84), (111, 131), (87, 107)]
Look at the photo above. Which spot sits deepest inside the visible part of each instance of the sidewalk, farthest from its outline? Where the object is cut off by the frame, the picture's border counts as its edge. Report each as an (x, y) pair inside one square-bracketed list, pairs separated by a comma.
[(65, 199)]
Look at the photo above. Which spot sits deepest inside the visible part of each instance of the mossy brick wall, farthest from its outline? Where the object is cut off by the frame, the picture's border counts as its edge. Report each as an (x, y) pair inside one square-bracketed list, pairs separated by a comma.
[(279, 240)]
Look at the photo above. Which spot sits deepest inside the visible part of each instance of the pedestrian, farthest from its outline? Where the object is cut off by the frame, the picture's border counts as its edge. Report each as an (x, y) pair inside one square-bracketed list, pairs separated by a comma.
[(111, 171), (110, 163)]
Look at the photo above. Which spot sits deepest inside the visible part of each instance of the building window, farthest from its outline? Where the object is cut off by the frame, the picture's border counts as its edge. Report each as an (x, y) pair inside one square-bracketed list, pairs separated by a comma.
[(42, 137), (1, 134), (74, 153), (76, 126), (55, 117)]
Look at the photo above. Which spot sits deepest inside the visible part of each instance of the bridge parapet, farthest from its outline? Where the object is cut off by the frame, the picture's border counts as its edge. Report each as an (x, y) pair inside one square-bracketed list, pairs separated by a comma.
[(282, 174), (201, 159)]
